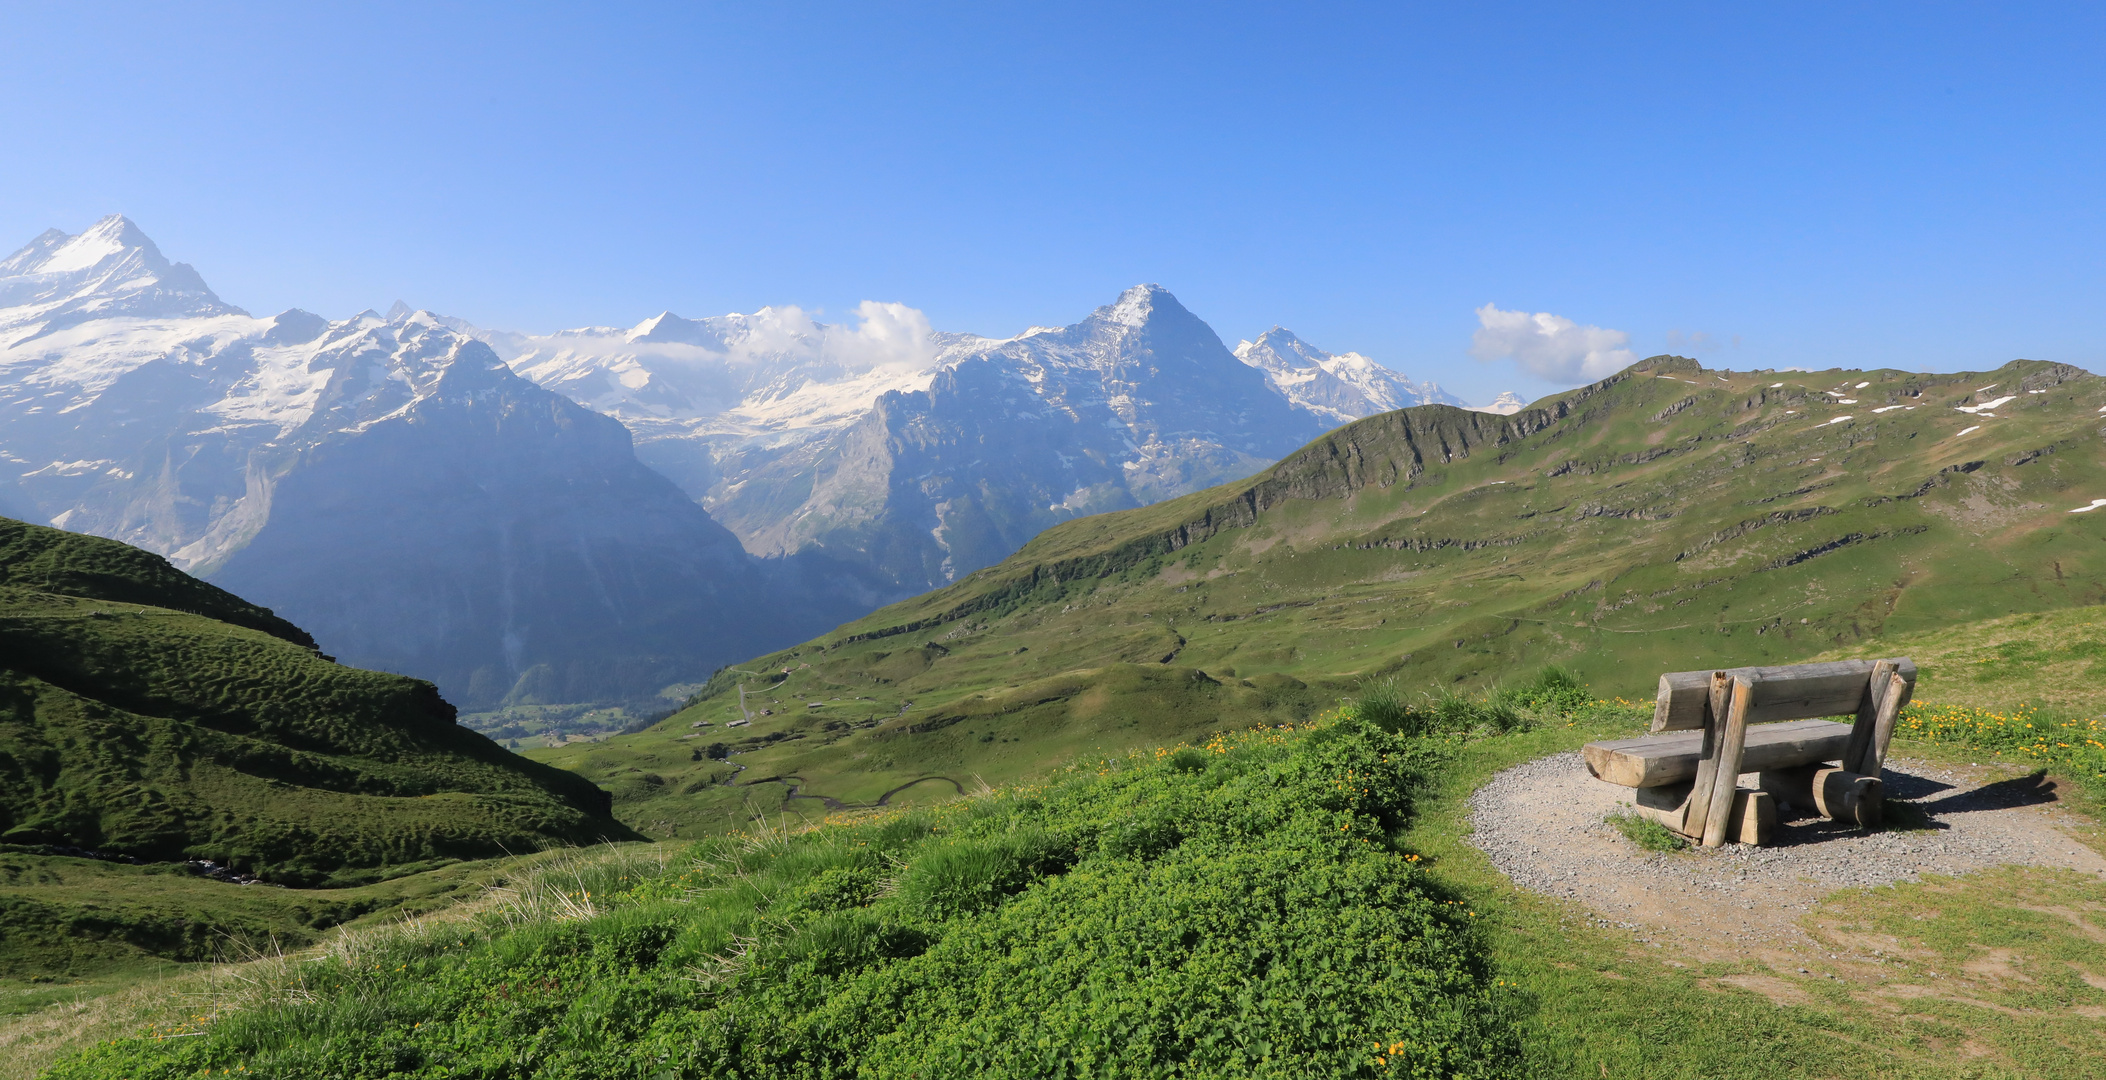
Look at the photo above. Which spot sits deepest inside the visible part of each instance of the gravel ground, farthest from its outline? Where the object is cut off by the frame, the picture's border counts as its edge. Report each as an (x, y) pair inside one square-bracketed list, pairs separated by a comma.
[(1542, 824)]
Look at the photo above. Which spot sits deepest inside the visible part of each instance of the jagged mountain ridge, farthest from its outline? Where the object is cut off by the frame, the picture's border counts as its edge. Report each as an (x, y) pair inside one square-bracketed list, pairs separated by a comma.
[(388, 483), (888, 444), (1341, 387)]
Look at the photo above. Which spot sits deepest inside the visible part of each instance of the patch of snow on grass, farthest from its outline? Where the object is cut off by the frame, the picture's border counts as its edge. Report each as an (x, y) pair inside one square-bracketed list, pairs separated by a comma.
[(2095, 504), (1964, 431)]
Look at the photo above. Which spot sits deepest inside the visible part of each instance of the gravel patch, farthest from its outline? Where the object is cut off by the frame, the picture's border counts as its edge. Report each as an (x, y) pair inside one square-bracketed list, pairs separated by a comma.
[(1542, 824)]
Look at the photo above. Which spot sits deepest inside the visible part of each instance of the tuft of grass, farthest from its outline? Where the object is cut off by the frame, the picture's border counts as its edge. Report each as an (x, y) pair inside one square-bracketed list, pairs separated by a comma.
[(1647, 833)]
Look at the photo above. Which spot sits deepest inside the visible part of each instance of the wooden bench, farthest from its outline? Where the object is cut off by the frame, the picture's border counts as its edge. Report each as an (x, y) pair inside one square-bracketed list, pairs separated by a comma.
[(1763, 720)]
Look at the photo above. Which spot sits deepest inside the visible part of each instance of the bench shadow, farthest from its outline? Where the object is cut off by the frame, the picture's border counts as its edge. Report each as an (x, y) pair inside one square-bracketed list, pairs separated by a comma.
[(2032, 789), (1922, 794)]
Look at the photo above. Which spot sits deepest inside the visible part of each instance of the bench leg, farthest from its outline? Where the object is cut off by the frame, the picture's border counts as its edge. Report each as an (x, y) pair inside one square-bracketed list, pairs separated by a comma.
[(1697, 809), (1899, 690), (1726, 779), (1752, 820), (1867, 716)]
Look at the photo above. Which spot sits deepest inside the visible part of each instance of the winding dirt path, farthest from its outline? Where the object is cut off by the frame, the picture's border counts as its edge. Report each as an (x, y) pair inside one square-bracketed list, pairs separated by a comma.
[(795, 785)]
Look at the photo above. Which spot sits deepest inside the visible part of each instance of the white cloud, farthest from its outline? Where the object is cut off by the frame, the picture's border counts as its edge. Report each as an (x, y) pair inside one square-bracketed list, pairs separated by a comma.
[(887, 335), (1550, 346), (883, 336)]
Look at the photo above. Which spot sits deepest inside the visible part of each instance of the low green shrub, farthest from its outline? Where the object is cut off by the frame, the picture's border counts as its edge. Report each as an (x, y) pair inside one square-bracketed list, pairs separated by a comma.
[(1231, 910), (1552, 695)]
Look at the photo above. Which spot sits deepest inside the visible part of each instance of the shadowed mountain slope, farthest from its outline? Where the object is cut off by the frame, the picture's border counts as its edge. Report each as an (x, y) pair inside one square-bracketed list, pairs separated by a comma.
[(387, 483), (145, 713), (1669, 517)]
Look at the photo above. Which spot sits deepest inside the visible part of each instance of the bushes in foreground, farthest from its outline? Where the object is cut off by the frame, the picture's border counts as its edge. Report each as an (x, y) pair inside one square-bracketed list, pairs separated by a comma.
[(1235, 909), (1552, 693)]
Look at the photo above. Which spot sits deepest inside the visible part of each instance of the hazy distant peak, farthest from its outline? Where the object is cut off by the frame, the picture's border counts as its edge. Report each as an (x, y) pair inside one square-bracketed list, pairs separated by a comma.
[(111, 269), (1506, 404), (32, 253), (1336, 386), (55, 252), (668, 327)]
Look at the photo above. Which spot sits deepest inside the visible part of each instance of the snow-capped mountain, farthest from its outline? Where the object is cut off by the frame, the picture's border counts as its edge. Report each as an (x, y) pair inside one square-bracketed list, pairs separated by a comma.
[(1506, 404), (1136, 403), (921, 454), (703, 395), (388, 483), (1341, 387), (455, 502)]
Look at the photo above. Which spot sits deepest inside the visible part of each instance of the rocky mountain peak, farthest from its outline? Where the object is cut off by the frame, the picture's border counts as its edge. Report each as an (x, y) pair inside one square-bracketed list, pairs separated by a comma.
[(668, 327), (111, 268)]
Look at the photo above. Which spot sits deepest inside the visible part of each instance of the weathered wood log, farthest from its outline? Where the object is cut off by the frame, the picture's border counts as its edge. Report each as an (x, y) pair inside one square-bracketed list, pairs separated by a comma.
[(1836, 794), (1794, 692), (1900, 689), (1730, 746), (1679, 705), (1717, 689), (1667, 804), (1867, 715), (1753, 819), (1659, 760)]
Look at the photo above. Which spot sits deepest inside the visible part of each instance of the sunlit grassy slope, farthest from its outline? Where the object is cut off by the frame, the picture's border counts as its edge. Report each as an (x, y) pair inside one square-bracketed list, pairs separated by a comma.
[(147, 715), (1232, 910), (1670, 517)]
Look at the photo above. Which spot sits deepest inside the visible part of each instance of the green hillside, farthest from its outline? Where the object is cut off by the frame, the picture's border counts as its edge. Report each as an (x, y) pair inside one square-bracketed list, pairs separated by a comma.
[(148, 715), (1669, 517), (1233, 910)]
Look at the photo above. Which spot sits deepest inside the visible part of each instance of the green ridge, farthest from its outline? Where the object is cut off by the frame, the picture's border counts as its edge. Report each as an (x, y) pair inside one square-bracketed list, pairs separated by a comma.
[(1667, 518), (146, 714)]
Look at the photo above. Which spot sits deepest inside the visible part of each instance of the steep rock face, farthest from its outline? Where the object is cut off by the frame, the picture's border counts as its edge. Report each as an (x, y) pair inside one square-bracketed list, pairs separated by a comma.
[(495, 537), (388, 482), (1137, 403), (1339, 387)]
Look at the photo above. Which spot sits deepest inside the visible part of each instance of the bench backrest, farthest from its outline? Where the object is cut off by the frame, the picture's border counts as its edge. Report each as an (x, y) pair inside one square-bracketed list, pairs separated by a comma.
[(1792, 692)]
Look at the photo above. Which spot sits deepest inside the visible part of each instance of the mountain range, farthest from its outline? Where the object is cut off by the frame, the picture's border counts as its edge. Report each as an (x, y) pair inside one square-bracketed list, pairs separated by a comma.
[(922, 455), (596, 514)]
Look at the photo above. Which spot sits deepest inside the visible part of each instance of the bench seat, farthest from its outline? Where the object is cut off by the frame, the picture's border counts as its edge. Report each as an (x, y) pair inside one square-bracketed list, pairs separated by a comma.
[(1659, 760)]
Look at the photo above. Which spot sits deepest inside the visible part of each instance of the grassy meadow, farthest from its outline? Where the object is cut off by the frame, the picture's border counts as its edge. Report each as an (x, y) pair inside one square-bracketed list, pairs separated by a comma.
[(1276, 901)]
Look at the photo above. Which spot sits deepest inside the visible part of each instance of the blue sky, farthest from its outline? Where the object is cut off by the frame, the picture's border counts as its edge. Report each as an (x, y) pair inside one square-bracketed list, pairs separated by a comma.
[(1916, 185)]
